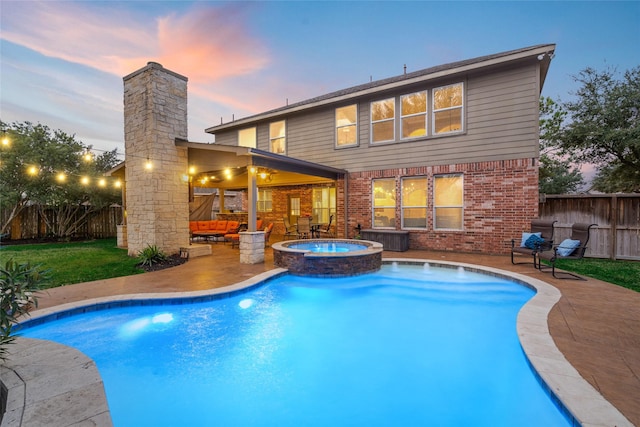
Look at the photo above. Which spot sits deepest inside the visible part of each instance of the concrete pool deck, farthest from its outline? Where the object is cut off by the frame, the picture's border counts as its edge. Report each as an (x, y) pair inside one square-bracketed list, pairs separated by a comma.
[(594, 324)]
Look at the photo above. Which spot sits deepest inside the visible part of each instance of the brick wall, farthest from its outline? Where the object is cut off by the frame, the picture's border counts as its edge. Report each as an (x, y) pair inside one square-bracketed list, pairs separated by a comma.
[(500, 199)]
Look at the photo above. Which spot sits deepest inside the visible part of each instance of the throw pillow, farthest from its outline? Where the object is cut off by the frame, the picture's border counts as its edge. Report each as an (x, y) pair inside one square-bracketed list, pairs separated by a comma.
[(525, 237), (533, 242), (567, 247)]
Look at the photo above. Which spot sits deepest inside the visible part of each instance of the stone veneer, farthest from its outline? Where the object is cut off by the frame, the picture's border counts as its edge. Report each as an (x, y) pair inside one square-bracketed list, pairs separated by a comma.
[(251, 247), (303, 262), (157, 200)]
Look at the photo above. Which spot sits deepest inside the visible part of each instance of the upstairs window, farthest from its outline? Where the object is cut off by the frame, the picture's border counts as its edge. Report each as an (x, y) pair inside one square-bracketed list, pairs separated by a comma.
[(277, 137), (347, 126), (448, 202), (447, 109), (414, 202), (383, 122), (247, 137), (413, 115), (384, 203)]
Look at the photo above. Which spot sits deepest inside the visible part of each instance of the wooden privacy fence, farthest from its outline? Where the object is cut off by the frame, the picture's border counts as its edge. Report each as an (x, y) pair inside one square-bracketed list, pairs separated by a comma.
[(100, 224), (617, 235)]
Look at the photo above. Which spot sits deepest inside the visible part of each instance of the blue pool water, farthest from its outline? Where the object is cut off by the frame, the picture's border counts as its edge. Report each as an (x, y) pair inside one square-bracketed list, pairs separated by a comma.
[(328, 247), (401, 347)]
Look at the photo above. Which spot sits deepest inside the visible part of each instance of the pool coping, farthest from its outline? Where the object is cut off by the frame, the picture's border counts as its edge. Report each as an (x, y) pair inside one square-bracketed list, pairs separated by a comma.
[(582, 403)]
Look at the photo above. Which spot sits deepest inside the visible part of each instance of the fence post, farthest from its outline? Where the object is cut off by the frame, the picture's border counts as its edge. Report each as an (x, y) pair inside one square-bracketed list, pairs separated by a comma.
[(614, 226)]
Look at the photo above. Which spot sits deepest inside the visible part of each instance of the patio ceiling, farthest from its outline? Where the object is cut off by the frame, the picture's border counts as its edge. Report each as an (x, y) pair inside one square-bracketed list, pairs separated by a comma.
[(226, 167)]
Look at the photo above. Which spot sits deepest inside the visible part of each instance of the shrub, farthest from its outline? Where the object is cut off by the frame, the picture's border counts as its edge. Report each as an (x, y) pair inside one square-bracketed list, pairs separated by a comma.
[(151, 255), (18, 284)]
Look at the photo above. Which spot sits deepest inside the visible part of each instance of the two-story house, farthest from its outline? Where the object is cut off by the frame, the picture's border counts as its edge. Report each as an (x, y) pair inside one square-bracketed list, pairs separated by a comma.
[(449, 153)]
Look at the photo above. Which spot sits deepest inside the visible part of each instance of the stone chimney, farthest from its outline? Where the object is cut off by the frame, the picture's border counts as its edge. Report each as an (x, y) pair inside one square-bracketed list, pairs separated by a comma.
[(157, 192)]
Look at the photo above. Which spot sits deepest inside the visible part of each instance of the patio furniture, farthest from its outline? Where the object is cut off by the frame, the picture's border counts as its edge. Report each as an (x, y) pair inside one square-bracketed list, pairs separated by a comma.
[(542, 229), (267, 234), (572, 248), (304, 227), (289, 230), (325, 231)]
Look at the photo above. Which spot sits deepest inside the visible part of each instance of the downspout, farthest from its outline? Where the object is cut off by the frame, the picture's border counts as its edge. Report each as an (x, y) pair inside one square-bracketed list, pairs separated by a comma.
[(346, 205)]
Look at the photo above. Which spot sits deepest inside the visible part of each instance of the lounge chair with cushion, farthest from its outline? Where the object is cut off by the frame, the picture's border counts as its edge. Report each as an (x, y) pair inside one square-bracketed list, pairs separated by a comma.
[(572, 248), (540, 238)]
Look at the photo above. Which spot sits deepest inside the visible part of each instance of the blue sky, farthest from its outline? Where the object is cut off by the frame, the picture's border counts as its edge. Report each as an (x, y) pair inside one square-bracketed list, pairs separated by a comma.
[(62, 63)]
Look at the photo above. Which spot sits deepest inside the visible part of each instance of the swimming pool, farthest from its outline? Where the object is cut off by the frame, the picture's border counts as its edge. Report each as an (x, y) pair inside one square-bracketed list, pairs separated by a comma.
[(406, 346)]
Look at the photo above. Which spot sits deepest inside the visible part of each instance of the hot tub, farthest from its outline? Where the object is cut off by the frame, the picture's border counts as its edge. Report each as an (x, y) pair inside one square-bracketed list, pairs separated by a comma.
[(328, 257)]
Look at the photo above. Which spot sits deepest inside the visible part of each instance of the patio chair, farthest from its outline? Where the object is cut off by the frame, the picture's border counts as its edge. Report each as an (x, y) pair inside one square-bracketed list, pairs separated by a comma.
[(304, 227), (572, 248), (545, 228), (325, 231), (267, 234), (289, 230)]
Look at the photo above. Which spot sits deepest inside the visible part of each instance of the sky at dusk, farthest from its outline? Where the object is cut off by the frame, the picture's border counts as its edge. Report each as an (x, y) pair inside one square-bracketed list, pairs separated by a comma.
[(62, 63)]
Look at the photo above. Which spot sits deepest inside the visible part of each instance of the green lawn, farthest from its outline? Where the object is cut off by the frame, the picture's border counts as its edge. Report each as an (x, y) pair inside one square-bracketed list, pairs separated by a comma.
[(75, 262), (621, 273)]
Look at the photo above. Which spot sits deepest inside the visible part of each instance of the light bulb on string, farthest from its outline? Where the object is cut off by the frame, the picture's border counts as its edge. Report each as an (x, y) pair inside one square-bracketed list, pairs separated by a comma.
[(148, 165)]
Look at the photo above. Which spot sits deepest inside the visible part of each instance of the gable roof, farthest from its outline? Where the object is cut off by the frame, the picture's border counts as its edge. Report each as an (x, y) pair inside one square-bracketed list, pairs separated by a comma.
[(546, 50)]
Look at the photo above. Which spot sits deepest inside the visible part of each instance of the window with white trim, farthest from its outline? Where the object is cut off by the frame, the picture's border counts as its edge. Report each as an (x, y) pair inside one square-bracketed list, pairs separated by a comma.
[(448, 202), (383, 123), (413, 115), (384, 203), (264, 202), (247, 137), (414, 202), (347, 125), (277, 137), (324, 204), (447, 109)]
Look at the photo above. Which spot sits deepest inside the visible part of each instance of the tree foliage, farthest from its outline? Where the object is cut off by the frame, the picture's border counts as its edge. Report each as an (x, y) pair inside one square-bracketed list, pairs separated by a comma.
[(558, 175), (603, 128), (46, 167)]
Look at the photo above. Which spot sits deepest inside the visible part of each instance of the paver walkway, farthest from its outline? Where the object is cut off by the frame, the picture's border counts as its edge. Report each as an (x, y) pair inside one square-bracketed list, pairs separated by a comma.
[(596, 325)]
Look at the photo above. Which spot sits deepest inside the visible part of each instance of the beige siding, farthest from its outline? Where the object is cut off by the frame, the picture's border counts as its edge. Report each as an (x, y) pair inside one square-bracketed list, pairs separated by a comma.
[(501, 110), (228, 138)]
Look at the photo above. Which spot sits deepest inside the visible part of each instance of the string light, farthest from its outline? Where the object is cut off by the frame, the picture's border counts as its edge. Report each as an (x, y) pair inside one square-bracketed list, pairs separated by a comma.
[(61, 177), (148, 165), (84, 180), (88, 156), (102, 182), (32, 170)]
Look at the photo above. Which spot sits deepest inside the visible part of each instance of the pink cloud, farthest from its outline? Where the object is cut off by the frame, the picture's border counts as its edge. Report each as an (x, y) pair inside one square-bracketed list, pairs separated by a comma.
[(205, 43), (209, 44)]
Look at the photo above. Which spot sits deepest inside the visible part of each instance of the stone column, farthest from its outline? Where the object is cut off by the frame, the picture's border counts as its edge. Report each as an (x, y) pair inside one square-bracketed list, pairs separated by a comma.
[(156, 179), (251, 247)]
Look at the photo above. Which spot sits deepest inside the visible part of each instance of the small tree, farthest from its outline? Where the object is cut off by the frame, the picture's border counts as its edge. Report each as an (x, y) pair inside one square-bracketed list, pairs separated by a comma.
[(18, 284), (558, 175)]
